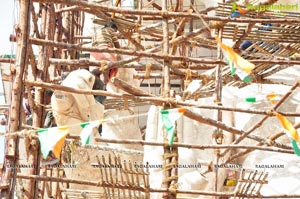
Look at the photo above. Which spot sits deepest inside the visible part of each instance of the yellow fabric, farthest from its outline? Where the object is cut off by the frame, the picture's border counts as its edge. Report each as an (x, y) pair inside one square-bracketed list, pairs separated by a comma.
[(288, 126), (235, 58)]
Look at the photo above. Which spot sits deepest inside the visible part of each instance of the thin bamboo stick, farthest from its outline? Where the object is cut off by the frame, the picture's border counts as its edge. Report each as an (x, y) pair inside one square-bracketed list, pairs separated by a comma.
[(66, 9), (7, 60), (219, 116), (128, 88)]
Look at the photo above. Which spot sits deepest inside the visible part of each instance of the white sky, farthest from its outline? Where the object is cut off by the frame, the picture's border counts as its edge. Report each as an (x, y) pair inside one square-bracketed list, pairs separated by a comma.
[(7, 21)]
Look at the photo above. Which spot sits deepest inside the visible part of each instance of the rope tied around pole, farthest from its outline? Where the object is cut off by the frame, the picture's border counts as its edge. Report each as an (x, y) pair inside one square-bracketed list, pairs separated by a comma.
[(103, 64)]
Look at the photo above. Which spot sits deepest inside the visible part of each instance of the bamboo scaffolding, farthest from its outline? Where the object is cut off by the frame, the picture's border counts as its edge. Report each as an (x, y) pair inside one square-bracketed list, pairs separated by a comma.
[(66, 18), (154, 99), (146, 54), (274, 148), (121, 51), (247, 151), (82, 62), (98, 184), (94, 6), (258, 124)]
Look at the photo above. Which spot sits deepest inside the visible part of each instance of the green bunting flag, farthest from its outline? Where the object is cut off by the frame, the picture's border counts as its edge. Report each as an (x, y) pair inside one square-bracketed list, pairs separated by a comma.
[(271, 97), (52, 139), (296, 147), (169, 117), (86, 134)]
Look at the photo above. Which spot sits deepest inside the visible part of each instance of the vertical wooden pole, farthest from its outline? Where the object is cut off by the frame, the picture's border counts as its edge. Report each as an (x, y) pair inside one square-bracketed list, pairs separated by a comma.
[(11, 150), (58, 38), (165, 49), (218, 135), (139, 19), (47, 32), (170, 153)]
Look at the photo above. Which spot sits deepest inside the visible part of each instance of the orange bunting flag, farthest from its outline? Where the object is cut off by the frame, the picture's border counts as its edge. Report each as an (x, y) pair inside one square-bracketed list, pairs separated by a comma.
[(287, 125), (52, 139), (237, 64)]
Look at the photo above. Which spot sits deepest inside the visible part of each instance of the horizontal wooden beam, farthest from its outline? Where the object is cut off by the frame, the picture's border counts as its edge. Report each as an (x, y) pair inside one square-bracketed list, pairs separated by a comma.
[(170, 14)]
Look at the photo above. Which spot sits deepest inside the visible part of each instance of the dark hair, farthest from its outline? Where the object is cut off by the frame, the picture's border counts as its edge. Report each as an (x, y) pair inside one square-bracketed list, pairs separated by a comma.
[(111, 25), (48, 92)]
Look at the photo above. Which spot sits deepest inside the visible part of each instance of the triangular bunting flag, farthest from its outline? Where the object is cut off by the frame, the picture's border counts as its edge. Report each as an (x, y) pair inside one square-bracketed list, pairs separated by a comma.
[(52, 139), (86, 135), (287, 125), (272, 97), (237, 64), (169, 117)]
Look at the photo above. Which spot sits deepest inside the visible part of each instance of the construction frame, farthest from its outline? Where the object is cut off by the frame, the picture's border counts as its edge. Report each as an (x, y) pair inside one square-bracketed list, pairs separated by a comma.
[(160, 47)]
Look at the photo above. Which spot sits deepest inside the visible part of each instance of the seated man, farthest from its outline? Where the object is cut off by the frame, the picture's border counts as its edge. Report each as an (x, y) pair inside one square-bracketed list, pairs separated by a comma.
[(98, 85), (49, 119), (71, 108)]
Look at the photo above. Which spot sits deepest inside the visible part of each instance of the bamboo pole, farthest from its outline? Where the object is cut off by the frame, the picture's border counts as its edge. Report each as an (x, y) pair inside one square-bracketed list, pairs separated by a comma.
[(276, 149), (153, 55), (7, 60), (194, 67), (57, 52), (11, 153), (35, 21), (154, 99), (163, 13), (161, 190), (169, 175), (67, 9), (218, 134), (191, 146), (128, 88), (125, 63), (124, 51), (32, 158)]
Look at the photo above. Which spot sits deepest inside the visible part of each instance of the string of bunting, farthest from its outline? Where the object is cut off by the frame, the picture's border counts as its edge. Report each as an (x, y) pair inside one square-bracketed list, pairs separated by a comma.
[(271, 97), (52, 139), (238, 65)]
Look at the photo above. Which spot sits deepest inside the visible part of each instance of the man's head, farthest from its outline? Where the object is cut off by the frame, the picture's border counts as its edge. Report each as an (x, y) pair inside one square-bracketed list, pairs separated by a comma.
[(48, 94), (111, 25)]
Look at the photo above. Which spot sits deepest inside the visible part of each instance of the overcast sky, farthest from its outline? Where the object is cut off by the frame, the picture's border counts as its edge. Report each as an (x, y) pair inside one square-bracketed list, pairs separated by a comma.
[(6, 23)]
